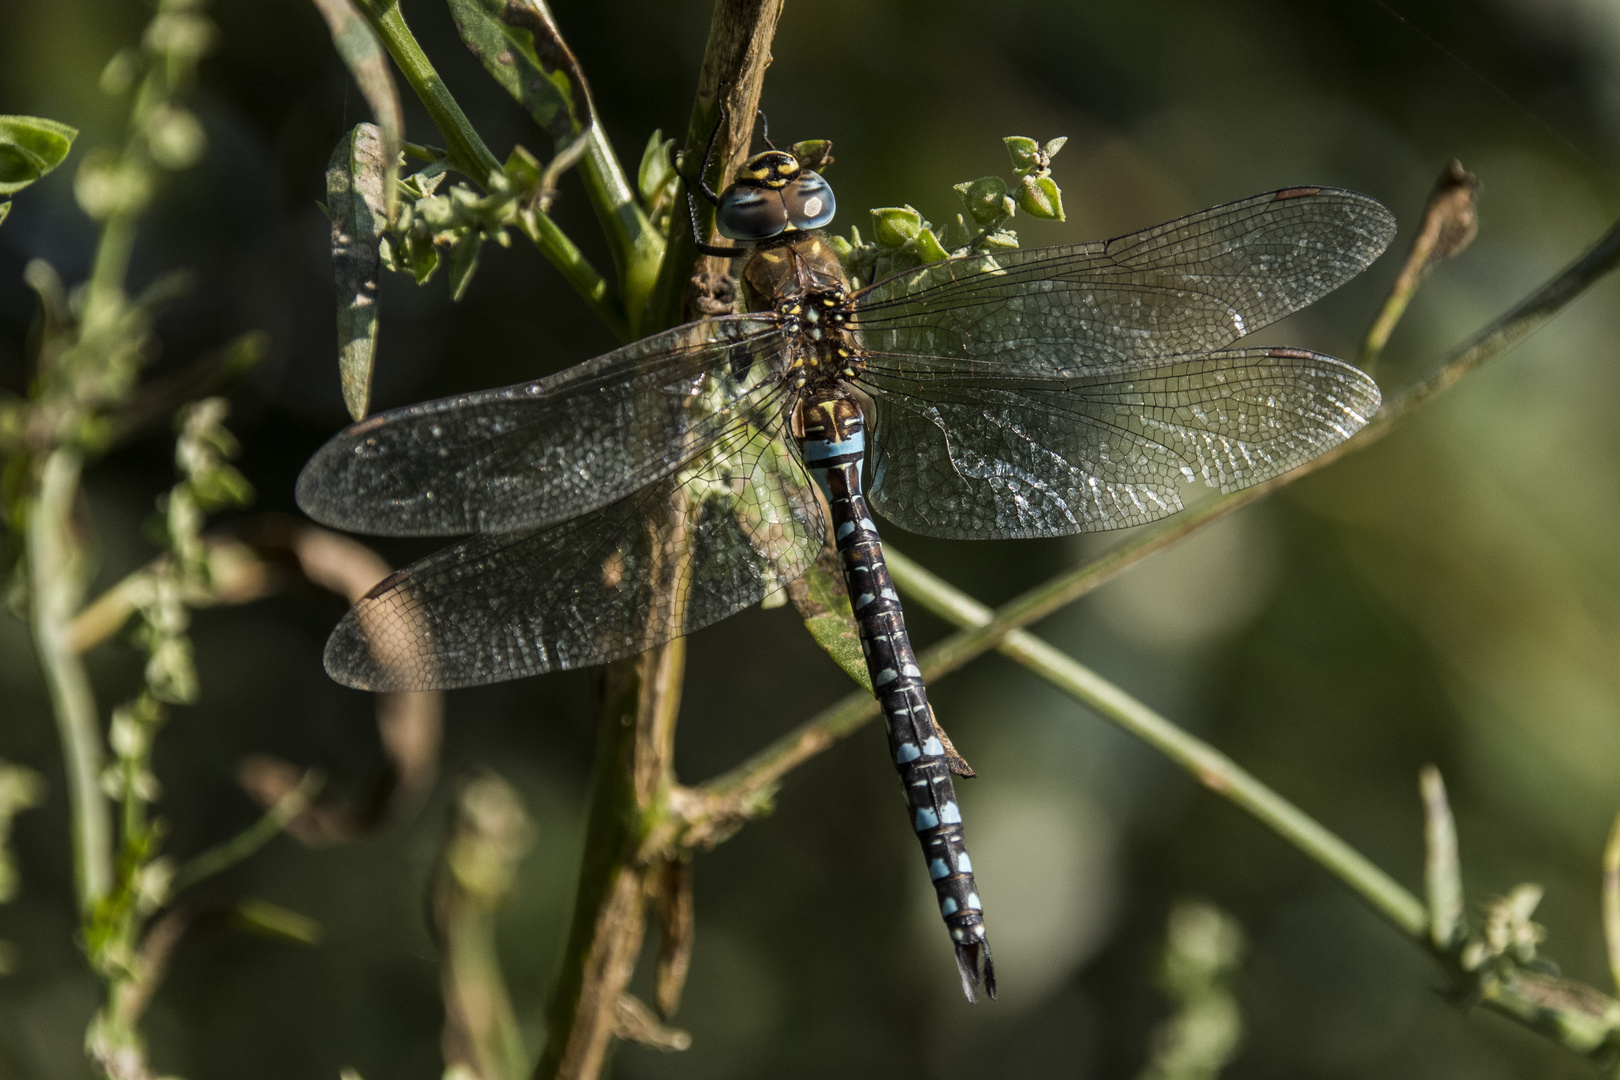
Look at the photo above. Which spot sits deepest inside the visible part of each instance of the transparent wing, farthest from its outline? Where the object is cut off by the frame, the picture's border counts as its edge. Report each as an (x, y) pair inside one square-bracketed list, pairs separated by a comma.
[(981, 457), (541, 452), (1189, 286), (737, 523)]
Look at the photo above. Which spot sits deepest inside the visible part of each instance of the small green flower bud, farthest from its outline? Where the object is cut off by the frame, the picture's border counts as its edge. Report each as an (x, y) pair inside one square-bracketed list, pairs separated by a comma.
[(814, 154), (986, 199), (1039, 197), (175, 137), (107, 184), (893, 226)]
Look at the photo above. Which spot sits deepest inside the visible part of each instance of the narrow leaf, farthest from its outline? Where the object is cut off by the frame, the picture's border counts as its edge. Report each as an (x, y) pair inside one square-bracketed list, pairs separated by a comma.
[(823, 603), (363, 54), (5, 211), (1442, 872), (463, 261), (355, 176), (519, 44), (30, 147), (262, 917)]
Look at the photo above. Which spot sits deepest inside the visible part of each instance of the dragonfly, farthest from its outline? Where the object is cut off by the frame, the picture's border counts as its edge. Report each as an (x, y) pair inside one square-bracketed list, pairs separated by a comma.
[(670, 483)]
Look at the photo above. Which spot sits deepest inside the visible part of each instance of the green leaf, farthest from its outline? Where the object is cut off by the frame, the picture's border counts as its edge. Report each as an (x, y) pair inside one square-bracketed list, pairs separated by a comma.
[(929, 248), (422, 255), (5, 211), (1024, 152), (657, 168), (272, 920), (519, 44), (30, 147), (354, 197), (363, 54), (823, 603), (463, 261)]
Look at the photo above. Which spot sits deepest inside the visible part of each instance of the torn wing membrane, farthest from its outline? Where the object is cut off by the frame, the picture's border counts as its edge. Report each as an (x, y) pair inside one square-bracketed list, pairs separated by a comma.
[(538, 453), (986, 456), (1191, 285), (737, 523)]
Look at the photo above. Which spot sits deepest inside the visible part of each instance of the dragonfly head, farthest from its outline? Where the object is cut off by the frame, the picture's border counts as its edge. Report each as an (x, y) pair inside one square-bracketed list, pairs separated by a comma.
[(774, 193)]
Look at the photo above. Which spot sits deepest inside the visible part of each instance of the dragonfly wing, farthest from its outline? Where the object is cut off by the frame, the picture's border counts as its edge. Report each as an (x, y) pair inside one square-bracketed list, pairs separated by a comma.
[(731, 527), (1005, 457), (538, 453), (1188, 286)]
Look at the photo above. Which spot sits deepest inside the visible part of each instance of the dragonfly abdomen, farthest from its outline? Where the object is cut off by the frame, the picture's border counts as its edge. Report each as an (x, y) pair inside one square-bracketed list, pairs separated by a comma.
[(834, 447)]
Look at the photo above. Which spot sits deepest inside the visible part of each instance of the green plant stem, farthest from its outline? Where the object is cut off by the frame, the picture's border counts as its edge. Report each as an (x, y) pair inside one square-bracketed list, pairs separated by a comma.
[(1211, 768), (638, 250), (104, 292), (467, 152), (577, 270), (53, 578), (468, 155), (249, 840)]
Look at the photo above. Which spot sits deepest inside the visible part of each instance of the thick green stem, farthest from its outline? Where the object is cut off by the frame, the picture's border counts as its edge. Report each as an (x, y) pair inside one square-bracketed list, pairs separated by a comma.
[(638, 250), (104, 292), (467, 152), (469, 156), (54, 588)]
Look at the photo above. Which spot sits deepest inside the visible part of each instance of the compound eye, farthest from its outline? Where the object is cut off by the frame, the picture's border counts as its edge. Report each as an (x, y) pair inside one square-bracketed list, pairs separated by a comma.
[(809, 201), (751, 213)]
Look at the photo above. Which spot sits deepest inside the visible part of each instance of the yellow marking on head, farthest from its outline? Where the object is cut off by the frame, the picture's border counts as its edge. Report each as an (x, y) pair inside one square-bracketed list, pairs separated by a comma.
[(787, 168)]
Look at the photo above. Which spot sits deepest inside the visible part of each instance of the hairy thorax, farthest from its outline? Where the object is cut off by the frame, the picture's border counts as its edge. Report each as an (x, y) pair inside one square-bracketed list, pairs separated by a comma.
[(799, 277)]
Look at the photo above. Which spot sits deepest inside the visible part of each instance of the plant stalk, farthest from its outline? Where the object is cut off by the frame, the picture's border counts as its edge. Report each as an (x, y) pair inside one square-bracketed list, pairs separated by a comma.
[(54, 583)]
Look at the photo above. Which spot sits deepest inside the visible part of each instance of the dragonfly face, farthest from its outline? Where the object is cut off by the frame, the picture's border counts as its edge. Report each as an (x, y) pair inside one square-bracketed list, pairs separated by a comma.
[(774, 194), (659, 488)]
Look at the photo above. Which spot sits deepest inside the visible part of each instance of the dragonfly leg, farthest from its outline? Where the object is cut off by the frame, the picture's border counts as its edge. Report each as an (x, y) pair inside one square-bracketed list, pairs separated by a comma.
[(957, 763)]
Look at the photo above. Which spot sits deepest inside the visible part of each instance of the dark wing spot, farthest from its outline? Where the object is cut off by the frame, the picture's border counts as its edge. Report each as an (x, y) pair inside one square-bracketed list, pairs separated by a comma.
[(387, 584)]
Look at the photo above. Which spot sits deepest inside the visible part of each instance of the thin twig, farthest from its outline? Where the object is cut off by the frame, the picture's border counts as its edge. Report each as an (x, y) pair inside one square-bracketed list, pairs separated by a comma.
[(1449, 225), (1211, 768), (245, 843)]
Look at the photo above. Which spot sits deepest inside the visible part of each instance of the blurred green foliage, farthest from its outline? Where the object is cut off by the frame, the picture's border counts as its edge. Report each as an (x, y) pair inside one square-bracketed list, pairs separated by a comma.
[(1450, 596)]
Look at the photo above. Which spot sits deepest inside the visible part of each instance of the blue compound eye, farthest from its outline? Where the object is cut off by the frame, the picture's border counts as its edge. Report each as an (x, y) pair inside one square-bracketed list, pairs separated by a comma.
[(809, 201), (751, 213)]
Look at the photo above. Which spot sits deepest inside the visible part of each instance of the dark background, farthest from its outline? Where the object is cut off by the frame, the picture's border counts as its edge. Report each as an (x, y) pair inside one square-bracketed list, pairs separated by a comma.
[(1450, 596)]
